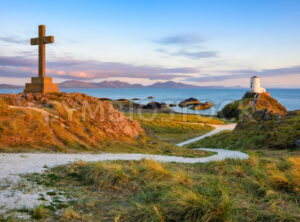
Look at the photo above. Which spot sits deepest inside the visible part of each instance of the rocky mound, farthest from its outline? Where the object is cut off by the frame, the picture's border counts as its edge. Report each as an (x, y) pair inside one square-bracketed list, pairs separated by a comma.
[(188, 102), (62, 122), (202, 106), (156, 105), (256, 105), (128, 106)]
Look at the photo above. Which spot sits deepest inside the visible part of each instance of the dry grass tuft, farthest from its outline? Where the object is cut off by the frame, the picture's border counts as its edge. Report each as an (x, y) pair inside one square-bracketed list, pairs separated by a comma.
[(70, 215)]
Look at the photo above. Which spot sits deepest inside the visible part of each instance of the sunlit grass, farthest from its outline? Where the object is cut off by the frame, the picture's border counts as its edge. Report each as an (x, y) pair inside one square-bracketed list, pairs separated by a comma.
[(275, 134), (174, 128), (257, 189)]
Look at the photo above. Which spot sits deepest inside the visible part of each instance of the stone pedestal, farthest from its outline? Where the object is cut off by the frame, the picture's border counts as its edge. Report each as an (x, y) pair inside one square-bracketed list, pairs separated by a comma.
[(41, 85)]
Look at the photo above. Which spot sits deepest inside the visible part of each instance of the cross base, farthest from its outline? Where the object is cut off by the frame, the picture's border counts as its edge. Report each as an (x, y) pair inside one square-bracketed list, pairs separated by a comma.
[(41, 85)]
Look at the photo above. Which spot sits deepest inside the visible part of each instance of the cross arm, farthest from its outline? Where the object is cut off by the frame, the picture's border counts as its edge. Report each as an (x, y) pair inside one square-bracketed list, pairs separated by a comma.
[(42, 40)]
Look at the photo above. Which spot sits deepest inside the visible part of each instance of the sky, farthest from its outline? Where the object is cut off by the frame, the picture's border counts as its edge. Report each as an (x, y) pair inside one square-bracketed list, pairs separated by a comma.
[(205, 43)]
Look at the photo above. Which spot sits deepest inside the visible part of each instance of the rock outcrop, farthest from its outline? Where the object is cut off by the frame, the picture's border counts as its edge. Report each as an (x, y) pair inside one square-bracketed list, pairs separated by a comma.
[(132, 107), (254, 105), (62, 121), (156, 105), (195, 104), (189, 102), (202, 106)]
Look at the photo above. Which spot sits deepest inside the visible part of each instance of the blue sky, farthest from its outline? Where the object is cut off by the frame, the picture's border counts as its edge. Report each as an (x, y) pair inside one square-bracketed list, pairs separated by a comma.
[(197, 42)]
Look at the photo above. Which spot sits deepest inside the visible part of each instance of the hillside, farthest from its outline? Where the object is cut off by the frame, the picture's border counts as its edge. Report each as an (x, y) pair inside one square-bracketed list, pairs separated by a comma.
[(172, 85), (61, 122), (263, 123), (254, 105), (276, 133)]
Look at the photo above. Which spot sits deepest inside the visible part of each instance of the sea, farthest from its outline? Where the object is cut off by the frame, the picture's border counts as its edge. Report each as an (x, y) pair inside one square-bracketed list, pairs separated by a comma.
[(290, 98)]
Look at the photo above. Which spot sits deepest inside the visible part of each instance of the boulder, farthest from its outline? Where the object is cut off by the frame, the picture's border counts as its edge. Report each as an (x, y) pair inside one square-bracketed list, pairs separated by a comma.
[(156, 105), (150, 97), (135, 99), (188, 102), (202, 106), (172, 105)]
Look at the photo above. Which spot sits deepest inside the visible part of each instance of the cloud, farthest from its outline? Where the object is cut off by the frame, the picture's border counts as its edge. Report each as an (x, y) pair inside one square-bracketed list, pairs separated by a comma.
[(196, 55), (13, 40), (182, 39), (17, 61), (19, 66), (238, 74), (184, 42)]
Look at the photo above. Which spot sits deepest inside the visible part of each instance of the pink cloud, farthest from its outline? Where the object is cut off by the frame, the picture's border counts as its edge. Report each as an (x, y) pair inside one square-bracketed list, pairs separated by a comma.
[(61, 72), (25, 68)]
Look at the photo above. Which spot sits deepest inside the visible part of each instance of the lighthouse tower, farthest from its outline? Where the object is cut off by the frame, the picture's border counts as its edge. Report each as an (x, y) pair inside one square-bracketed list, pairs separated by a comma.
[(255, 85)]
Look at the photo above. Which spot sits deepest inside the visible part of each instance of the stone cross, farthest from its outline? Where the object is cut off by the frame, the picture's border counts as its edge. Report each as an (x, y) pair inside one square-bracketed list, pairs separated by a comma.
[(41, 41), (41, 84)]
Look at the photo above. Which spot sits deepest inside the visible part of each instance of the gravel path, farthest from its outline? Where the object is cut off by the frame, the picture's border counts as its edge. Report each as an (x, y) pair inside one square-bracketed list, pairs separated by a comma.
[(218, 128), (12, 165)]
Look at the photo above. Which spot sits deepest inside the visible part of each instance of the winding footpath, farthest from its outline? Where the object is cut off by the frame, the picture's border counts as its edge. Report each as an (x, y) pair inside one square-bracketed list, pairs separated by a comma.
[(23, 163), (13, 165)]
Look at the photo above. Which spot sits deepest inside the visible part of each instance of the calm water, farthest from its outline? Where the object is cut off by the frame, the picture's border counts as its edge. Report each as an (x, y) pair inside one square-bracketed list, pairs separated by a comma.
[(290, 98)]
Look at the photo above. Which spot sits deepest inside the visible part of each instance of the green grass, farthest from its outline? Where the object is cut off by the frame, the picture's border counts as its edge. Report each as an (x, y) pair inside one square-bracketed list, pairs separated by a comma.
[(272, 134), (174, 128), (175, 117), (263, 188)]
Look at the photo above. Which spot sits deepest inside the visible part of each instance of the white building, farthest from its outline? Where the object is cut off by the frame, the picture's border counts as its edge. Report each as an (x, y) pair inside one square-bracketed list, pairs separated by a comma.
[(255, 85)]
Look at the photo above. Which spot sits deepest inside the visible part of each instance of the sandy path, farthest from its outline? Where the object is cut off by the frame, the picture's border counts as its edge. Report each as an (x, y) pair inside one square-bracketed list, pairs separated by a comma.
[(22, 163), (218, 128), (15, 164), (12, 165)]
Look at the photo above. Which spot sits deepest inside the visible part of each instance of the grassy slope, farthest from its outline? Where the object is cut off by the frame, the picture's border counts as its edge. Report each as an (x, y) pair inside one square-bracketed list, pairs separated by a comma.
[(274, 134), (174, 128), (262, 188), (25, 130)]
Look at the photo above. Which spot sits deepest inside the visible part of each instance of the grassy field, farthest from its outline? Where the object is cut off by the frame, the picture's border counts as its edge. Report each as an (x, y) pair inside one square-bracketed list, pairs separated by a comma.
[(272, 134), (27, 130), (266, 187), (174, 128)]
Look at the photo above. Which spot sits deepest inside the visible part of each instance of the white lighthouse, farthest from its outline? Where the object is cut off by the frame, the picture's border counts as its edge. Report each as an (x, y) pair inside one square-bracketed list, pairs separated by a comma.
[(255, 85)]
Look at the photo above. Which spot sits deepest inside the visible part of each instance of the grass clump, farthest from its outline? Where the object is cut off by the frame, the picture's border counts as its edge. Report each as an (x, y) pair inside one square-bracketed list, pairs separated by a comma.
[(70, 215), (264, 187), (40, 213)]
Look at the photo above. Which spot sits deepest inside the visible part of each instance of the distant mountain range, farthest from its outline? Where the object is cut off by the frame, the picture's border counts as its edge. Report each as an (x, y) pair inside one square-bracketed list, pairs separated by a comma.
[(8, 86), (124, 85), (77, 84)]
